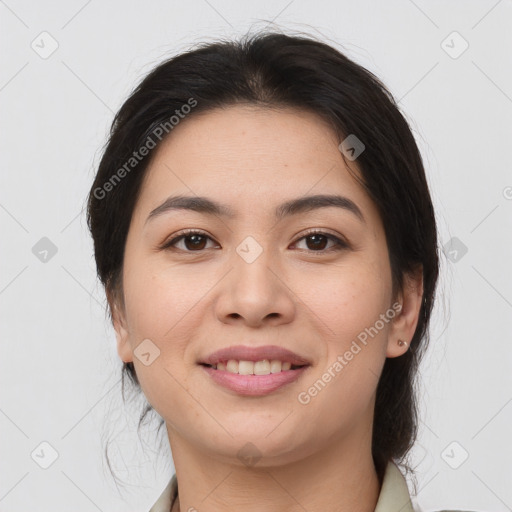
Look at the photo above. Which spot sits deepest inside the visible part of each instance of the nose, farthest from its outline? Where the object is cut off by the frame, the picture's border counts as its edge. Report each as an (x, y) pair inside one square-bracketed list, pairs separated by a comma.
[(255, 294)]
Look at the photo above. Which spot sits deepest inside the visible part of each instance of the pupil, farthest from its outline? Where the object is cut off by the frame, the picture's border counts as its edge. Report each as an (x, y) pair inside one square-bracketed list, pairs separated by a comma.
[(196, 243), (318, 241), (316, 244)]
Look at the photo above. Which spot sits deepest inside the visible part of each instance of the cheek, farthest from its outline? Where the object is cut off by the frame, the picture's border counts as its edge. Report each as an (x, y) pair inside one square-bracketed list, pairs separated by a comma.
[(162, 306), (348, 297), (353, 304), (162, 310), (161, 298)]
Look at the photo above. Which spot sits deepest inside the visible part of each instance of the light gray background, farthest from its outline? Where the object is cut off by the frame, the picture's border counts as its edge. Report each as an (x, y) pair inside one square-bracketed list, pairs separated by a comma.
[(59, 369)]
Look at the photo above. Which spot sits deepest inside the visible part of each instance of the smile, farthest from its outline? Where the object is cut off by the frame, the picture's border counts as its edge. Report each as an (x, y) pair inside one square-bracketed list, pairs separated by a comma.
[(254, 378), (263, 367)]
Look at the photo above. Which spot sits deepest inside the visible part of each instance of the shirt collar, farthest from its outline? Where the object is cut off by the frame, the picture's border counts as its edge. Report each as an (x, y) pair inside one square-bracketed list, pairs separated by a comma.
[(394, 493)]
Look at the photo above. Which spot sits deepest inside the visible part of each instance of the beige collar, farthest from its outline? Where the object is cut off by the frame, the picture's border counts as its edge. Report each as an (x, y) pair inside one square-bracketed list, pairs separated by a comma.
[(394, 494)]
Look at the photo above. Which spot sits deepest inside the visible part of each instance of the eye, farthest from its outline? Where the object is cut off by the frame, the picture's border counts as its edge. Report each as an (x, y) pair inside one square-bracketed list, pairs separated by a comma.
[(317, 240), (193, 241), (196, 241)]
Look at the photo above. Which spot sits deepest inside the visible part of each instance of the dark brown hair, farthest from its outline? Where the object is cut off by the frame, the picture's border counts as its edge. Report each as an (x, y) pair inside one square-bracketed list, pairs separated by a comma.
[(276, 70)]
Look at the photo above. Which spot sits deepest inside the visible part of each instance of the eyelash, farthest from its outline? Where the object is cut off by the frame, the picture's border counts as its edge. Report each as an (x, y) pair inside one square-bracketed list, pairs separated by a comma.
[(340, 244)]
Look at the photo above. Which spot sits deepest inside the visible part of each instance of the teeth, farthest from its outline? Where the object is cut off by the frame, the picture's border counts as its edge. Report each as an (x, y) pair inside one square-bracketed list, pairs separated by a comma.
[(264, 367), (232, 366), (244, 367)]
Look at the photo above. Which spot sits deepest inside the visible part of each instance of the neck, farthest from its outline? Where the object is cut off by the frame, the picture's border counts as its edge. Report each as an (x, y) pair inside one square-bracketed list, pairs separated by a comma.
[(340, 477)]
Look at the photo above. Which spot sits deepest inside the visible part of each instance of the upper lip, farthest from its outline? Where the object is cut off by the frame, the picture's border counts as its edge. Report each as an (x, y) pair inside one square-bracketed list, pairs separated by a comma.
[(250, 353)]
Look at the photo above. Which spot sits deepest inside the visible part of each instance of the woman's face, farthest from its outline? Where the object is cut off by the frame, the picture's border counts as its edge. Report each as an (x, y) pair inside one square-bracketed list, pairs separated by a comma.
[(256, 279)]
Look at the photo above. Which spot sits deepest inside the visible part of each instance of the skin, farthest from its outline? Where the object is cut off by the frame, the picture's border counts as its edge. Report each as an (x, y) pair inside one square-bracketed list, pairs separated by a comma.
[(314, 456)]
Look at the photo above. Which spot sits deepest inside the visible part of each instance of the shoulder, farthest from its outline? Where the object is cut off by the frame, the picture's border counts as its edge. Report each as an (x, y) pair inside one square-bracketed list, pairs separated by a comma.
[(394, 495), (448, 510), (166, 499)]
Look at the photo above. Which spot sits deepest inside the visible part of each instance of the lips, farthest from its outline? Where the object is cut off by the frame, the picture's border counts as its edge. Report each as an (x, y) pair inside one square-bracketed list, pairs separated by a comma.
[(254, 385), (250, 353)]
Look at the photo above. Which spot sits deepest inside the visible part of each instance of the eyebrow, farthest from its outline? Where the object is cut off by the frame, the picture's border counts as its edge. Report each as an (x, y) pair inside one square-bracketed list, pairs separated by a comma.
[(297, 206)]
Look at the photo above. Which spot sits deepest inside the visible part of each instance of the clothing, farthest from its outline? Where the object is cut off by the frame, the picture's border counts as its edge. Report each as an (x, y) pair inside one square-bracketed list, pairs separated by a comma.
[(393, 497)]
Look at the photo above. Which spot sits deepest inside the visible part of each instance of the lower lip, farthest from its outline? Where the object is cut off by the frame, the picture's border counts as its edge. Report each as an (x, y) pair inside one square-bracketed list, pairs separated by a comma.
[(254, 385)]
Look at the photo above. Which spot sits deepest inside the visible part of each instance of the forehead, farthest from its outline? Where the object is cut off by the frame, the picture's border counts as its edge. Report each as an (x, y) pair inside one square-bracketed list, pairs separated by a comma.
[(251, 158)]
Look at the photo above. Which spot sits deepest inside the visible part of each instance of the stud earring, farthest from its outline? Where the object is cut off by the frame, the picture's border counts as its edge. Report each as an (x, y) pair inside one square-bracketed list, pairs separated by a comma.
[(401, 343)]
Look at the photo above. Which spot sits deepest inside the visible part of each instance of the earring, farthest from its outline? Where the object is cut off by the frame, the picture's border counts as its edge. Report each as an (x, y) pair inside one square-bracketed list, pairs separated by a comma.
[(401, 343)]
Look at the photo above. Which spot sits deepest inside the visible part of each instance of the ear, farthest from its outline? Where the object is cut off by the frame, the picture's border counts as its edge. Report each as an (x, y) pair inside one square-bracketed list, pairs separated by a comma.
[(124, 348), (405, 322)]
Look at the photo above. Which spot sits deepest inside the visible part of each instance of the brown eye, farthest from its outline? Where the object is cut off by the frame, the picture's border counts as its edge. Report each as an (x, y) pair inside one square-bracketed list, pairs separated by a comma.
[(196, 241), (316, 241), (192, 241)]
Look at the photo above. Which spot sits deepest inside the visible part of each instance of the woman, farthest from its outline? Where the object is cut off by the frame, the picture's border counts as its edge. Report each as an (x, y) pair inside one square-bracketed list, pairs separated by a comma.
[(266, 238)]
